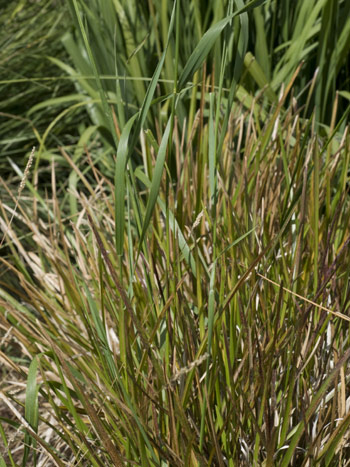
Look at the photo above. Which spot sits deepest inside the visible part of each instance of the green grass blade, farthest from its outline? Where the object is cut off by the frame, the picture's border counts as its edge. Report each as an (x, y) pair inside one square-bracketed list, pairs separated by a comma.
[(119, 184), (6, 445), (105, 106), (152, 85), (31, 409), (156, 179)]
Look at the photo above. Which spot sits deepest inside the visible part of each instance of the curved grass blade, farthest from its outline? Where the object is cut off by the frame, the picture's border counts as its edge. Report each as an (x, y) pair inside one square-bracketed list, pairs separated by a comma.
[(57, 101), (125, 150), (328, 452), (206, 43), (119, 184), (156, 179), (185, 249)]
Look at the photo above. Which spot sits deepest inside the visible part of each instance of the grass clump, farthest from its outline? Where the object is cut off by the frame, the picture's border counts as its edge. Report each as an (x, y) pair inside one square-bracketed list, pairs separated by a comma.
[(203, 348), (185, 301)]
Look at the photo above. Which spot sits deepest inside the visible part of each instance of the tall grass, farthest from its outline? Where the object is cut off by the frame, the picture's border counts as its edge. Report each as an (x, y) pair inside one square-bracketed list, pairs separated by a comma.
[(185, 302), (128, 38), (173, 357)]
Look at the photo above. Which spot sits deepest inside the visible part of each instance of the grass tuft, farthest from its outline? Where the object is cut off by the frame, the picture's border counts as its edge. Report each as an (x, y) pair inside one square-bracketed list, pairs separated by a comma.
[(174, 276), (215, 358)]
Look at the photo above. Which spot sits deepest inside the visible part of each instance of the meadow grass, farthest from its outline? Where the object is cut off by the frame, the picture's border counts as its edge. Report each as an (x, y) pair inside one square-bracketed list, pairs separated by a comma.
[(181, 296), (201, 346)]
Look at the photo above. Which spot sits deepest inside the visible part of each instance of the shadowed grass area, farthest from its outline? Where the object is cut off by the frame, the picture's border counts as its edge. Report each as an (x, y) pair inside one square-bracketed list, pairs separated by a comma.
[(30, 32)]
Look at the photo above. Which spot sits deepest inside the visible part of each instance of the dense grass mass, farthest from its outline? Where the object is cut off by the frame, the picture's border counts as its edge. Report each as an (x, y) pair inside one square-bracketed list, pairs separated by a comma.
[(175, 272)]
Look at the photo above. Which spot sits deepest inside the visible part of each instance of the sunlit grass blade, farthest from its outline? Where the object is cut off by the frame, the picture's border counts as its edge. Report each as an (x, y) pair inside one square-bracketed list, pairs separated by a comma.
[(120, 174), (156, 180)]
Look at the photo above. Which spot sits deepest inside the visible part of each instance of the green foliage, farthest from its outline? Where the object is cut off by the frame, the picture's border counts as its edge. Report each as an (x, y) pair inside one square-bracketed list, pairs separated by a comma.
[(317, 32), (188, 354), (30, 31), (174, 282)]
